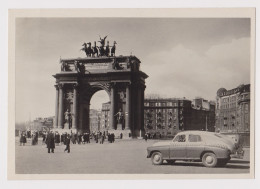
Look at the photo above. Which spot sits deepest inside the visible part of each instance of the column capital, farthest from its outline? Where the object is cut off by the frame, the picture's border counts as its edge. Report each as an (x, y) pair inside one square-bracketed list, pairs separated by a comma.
[(112, 84), (61, 85), (56, 86)]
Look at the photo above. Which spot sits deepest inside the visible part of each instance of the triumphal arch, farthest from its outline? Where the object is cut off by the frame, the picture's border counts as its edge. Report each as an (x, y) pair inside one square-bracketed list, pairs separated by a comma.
[(80, 78)]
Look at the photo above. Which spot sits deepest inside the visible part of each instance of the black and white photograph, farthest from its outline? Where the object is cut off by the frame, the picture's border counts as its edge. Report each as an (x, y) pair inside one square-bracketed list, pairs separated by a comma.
[(125, 92)]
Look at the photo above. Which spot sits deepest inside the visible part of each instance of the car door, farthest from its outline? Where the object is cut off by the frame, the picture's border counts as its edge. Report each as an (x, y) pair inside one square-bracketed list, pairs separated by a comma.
[(178, 147), (195, 146)]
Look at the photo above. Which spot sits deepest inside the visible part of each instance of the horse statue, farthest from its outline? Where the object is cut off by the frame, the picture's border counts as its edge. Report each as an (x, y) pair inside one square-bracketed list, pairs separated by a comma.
[(89, 50), (101, 51), (84, 48), (113, 49), (94, 50), (107, 51)]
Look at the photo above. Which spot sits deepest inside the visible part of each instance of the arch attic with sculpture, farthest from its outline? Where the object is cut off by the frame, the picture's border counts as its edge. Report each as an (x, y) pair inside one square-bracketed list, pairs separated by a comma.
[(80, 78)]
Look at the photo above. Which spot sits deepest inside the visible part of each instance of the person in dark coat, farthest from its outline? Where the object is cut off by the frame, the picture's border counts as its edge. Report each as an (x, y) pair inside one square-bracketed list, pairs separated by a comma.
[(88, 138), (96, 137), (22, 139), (50, 142), (57, 138), (65, 136), (113, 137), (62, 138), (145, 137), (109, 137), (67, 143), (84, 138), (79, 138)]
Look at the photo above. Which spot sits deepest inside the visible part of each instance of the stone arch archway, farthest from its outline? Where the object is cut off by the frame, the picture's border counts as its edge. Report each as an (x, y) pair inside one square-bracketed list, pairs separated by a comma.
[(125, 88)]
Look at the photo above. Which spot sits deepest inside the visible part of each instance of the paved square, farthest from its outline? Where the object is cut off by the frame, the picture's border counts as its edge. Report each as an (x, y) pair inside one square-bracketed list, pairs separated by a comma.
[(121, 157)]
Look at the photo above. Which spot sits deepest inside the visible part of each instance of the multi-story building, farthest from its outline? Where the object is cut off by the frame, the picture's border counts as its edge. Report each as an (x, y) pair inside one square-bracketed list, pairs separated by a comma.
[(94, 120), (233, 111), (202, 115), (40, 124), (166, 116), (169, 116), (105, 113)]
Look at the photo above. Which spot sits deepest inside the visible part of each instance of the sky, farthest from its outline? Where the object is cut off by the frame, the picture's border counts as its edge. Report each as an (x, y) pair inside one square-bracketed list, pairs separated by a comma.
[(183, 57)]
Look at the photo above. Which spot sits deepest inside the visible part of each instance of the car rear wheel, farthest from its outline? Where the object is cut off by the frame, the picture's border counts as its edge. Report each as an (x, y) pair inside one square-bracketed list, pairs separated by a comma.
[(157, 158), (209, 160)]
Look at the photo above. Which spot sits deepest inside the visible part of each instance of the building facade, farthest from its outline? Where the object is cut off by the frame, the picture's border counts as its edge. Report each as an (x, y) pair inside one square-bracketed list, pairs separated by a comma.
[(169, 116), (41, 124), (105, 112), (94, 120), (233, 110)]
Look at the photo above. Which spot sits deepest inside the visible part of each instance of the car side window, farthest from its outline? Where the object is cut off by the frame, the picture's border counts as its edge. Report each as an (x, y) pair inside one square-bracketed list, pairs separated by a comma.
[(180, 138), (194, 138)]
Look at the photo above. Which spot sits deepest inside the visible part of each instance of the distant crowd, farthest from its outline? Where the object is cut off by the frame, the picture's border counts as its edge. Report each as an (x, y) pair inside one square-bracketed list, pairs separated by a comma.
[(55, 138)]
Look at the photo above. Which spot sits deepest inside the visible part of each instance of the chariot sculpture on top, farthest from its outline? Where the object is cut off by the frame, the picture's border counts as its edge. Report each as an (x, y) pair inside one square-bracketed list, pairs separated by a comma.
[(99, 51)]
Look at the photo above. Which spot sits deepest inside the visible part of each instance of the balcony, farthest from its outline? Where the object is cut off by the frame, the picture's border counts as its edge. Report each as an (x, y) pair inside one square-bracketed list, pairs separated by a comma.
[(243, 98)]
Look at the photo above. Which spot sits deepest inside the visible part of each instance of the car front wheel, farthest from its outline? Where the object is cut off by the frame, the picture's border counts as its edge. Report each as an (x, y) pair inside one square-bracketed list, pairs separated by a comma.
[(157, 158), (209, 160)]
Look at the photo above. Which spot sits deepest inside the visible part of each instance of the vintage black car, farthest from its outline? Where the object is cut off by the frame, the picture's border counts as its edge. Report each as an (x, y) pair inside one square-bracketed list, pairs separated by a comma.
[(211, 148)]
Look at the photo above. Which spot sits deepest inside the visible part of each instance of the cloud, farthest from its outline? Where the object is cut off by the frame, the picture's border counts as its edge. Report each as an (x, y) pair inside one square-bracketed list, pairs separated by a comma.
[(183, 72)]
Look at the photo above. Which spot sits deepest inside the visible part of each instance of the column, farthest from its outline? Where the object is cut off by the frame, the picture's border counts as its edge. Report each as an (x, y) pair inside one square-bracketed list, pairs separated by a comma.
[(61, 111), (112, 107), (139, 110), (128, 107), (75, 107), (56, 107), (142, 107)]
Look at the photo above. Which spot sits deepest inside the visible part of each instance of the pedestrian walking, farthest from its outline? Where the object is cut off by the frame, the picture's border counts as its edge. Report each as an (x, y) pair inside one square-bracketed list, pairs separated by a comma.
[(43, 138), (145, 137), (50, 142), (22, 139), (67, 143), (57, 138)]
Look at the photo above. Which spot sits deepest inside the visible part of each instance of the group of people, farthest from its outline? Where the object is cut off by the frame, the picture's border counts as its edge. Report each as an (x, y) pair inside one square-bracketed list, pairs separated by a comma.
[(28, 134), (152, 136), (50, 139)]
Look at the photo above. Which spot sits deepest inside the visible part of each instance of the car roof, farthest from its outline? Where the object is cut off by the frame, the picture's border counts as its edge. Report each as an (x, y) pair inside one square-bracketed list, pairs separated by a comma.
[(197, 132)]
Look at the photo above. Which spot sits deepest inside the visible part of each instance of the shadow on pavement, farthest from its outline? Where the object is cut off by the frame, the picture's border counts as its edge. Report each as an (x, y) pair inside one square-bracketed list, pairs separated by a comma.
[(236, 166), (238, 161), (230, 165)]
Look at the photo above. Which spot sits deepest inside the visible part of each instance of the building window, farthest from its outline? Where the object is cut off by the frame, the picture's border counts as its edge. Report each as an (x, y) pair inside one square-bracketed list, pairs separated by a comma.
[(169, 103), (246, 107)]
